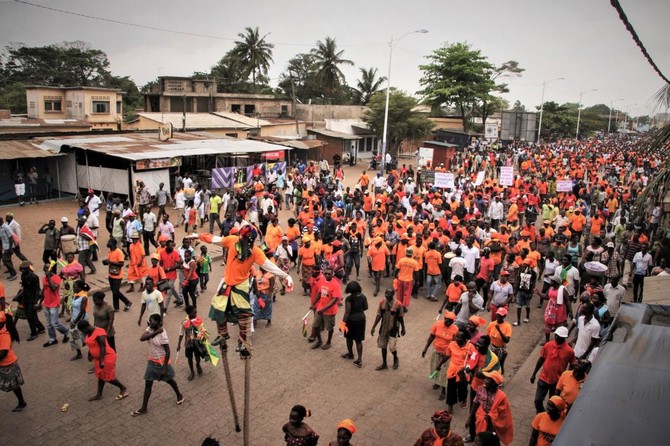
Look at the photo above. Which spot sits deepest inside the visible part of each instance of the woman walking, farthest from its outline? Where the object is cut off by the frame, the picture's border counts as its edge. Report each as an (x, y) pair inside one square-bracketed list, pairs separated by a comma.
[(191, 280), (11, 378), (158, 366), (104, 359), (558, 306), (115, 260), (79, 312), (355, 306), (72, 271)]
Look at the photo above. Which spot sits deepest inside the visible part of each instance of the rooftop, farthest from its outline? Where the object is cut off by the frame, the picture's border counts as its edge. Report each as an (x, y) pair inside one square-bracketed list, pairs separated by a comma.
[(196, 120)]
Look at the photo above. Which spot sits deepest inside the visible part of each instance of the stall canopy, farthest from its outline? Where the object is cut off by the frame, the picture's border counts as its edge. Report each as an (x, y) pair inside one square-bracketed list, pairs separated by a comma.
[(10, 150), (626, 398)]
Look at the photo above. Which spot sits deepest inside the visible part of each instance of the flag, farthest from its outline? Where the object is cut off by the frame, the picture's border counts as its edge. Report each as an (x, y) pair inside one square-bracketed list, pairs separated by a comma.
[(212, 354)]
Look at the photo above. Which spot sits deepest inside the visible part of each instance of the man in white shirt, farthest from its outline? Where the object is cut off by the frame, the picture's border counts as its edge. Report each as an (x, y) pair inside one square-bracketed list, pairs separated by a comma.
[(569, 273), (149, 229), (457, 264), (152, 300), (641, 262), (378, 183), (496, 212), (471, 255), (93, 203), (468, 305), (588, 335), (187, 182), (614, 293)]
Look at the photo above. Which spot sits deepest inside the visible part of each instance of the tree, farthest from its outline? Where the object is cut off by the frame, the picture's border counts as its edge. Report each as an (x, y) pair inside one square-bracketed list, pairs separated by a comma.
[(518, 107), (403, 123), (301, 71), (368, 85), (457, 75), (327, 61), (253, 54), (231, 77), (559, 121), (490, 104)]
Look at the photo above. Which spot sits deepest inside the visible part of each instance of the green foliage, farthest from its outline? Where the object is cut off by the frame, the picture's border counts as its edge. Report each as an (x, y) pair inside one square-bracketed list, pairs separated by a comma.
[(558, 121), (231, 77), (403, 123), (518, 107), (253, 55), (301, 71), (327, 62), (368, 85), (13, 97)]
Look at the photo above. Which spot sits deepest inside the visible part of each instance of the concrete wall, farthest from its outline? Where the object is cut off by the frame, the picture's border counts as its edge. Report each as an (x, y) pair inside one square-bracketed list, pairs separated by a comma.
[(287, 129), (75, 104), (312, 112)]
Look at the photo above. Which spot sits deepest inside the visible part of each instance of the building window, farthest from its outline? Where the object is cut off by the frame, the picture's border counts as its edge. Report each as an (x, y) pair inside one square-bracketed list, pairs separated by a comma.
[(236, 108), (249, 109), (118, 107), (53, 106), (101, 107), (284, 110)]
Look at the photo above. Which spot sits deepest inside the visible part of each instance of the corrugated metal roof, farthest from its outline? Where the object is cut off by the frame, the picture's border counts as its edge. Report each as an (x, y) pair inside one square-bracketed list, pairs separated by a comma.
[(252, 122), (23, 149), (32, 123), (333, 134), (137, 146), (196, 120)]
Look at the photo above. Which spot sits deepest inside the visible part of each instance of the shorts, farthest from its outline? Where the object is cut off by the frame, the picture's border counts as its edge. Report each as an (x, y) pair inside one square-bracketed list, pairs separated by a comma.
[(20, 189), (523, 299), (323, 322), (389, 342)]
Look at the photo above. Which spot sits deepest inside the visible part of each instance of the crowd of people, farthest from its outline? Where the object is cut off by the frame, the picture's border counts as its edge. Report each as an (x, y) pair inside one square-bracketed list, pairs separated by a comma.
[(484, 254)]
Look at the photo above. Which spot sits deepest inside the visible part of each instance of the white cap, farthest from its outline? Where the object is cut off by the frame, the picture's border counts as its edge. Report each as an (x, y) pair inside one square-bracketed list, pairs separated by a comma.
[(561, 332), (64, 220)]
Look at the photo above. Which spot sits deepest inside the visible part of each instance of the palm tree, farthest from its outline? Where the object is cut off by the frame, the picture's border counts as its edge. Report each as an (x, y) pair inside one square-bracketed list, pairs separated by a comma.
[(253, 53), (328, 59), (368, 84)]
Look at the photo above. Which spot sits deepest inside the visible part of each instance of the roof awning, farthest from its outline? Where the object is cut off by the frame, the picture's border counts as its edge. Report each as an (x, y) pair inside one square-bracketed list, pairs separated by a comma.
[(23, 150)]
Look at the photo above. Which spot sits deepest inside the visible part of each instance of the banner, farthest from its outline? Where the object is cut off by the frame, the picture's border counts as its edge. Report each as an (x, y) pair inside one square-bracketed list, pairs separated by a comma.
[(425, 156), (279, 154), (444, 180), (491, 131), (480, 178), (506, 176), (158, 163), (427, 176), (564, 185)]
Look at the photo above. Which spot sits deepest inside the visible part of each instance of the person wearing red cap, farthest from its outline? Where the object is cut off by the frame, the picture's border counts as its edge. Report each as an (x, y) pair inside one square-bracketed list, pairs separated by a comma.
[(440, 434)]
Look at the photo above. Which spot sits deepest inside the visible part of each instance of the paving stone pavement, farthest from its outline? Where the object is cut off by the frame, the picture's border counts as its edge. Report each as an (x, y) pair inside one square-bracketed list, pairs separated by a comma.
[(388, 407)]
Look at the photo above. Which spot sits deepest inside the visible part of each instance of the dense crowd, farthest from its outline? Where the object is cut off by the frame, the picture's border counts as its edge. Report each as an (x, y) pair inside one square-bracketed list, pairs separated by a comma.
[(484, 253)]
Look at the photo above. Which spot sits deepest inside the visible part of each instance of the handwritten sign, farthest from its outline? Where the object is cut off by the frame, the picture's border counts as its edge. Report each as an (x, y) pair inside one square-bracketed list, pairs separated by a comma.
[(564, 185), (506, 176), (444, 180), (480, 178)]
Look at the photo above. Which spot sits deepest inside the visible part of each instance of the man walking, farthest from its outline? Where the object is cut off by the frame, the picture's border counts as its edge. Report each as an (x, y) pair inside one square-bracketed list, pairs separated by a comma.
[(641, 262), (554, 359)]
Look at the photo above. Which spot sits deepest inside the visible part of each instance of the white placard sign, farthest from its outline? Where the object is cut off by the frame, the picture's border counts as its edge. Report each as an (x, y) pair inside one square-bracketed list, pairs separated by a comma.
[(425, 156), (491, 131), (480, 178), (506, 176), (564, 185), (444, 180)]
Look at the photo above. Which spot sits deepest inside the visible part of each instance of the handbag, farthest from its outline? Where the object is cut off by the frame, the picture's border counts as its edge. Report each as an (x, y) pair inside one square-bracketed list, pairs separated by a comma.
[(163, 285), (114, 270)]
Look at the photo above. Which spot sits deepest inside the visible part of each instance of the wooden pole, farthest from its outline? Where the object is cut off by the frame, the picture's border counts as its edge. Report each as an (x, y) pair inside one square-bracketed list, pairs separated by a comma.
[(247, 391), (229, 383)]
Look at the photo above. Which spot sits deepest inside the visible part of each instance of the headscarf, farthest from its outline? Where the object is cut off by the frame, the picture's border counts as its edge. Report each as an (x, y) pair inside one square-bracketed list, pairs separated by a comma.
[(347, 424), (441, 416), (495, 376), (558, 402)]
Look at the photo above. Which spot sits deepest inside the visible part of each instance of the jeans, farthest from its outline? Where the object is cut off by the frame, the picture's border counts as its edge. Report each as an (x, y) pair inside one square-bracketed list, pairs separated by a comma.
[(7, 261), (638, 287), (352, 259), (172, 291), (214, 218), (541, 392), (149, 237), (433, 284), (53, 323), (117, 295), (189, 291), (84, 258)]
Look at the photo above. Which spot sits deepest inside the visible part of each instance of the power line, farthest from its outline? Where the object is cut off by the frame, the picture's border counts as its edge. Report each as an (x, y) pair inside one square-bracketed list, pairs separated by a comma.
[(165, 30), (631, 30)]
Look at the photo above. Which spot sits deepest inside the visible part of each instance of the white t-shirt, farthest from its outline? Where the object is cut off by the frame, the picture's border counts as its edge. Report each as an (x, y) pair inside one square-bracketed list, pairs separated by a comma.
[(470, 255), (464, 313), (457, 265), (550, 269), (588, 331), (149, 221), (153, 301), (572, 277), (614, 297), (94, 205)]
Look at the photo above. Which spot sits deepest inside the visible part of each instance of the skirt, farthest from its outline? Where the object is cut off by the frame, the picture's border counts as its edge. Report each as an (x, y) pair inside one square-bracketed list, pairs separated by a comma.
[(108, 373), (441, 376), (154, 372), (10, 377), (355, 330)]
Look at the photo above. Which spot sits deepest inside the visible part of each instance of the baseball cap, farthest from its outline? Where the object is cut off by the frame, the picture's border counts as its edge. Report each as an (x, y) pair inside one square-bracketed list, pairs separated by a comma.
[(504, 273), (561, 332), (155, 256), (64, 220), (610, 244), (502, 311)]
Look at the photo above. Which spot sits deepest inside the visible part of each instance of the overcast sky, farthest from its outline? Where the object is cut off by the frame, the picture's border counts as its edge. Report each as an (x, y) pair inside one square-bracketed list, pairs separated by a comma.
[(582, 41)]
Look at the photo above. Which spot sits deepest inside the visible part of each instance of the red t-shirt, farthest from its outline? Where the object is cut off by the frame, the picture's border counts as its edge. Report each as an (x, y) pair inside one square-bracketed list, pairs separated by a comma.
[(168, 260), (51, 298), (556, 360), (327, 292), (6, 344)]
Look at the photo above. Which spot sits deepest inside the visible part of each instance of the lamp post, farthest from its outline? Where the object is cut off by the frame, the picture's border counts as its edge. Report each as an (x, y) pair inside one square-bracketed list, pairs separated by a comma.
[(544, 85), (609, 121), (579, 108), (388, 92)]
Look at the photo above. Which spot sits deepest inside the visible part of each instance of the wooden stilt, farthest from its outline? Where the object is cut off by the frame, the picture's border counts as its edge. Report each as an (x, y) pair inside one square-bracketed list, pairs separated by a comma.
[(247, 391), (229, 383)]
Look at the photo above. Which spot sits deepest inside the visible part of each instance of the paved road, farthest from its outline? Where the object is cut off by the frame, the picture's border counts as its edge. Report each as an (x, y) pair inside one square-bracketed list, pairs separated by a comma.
[(389, 407)]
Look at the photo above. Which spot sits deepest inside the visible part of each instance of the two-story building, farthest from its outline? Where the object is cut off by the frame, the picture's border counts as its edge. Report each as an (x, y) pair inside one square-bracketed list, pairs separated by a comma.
[(101, 107)]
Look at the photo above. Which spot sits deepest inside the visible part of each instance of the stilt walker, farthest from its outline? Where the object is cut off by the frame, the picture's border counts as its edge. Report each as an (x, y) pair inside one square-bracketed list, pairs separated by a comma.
[(232, 303)]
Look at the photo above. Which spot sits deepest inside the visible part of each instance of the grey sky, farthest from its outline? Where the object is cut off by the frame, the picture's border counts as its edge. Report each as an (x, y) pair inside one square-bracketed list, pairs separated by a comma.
[(581, 40)]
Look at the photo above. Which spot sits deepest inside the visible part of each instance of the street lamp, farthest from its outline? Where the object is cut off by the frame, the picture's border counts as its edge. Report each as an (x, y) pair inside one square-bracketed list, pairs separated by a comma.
[(544, 85), (388, 92), (579, 108), (609, 121)]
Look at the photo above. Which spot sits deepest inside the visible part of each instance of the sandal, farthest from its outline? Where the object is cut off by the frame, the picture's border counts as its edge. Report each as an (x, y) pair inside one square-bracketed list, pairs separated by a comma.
[(358, 364), (137, 413), (348, 356), (121, 396), (180, 401)]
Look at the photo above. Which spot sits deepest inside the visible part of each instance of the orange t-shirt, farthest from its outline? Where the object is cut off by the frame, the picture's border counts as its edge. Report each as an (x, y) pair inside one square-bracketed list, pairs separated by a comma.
[(578, 222), (308, 255), (458, 356), (443, 336), (237, 271), (6, 344), (116, 256), (406, 267), (418, 255), (378, 256), (454, 292), (292, 233), (433, 261)]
